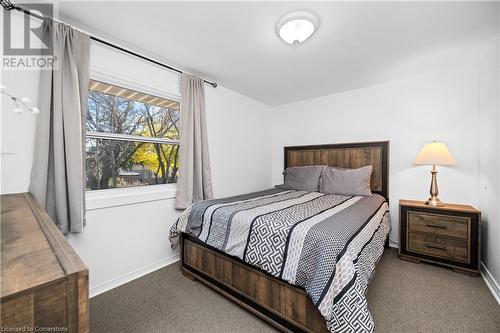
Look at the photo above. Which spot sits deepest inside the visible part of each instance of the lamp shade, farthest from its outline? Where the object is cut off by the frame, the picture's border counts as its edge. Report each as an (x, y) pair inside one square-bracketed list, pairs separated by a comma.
[(435, 153)]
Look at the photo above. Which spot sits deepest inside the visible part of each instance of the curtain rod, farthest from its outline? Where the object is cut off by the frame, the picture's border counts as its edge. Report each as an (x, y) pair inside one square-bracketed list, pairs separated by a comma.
[(8, 5)]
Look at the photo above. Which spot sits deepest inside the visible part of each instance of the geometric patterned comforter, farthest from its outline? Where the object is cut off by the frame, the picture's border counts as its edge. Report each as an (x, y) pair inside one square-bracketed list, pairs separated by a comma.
[(326, 244)]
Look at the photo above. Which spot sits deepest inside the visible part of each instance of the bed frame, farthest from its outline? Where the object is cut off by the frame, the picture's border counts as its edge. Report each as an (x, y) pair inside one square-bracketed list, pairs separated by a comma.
[(281, 304)]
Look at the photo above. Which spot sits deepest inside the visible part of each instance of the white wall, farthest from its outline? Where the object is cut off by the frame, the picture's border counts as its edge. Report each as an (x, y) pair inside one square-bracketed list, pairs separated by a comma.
[(239, 137), (17, 131), (409, 113), (489, 155)]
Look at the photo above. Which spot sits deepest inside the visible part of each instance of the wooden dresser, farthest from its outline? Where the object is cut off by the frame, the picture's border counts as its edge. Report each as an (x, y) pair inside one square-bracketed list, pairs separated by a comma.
[(447, 235), (44, 284)]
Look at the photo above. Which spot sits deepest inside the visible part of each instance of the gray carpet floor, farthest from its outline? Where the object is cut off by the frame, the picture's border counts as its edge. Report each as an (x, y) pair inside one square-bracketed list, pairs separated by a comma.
[(403, 297)]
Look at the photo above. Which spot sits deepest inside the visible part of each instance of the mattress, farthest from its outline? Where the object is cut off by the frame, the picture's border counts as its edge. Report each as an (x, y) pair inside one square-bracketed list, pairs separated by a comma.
[(326, 244)]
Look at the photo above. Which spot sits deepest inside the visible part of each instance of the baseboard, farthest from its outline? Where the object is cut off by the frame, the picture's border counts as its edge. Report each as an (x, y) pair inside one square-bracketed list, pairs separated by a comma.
[(108, 285), (491, 283), (393, 244)]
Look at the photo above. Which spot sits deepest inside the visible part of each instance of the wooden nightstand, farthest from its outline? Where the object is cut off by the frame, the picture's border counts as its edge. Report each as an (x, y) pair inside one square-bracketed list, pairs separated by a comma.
[(447, 235)]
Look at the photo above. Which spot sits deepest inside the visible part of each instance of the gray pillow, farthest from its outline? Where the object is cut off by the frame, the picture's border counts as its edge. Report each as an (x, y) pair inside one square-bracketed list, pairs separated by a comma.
[(347, 181), (303, 178)]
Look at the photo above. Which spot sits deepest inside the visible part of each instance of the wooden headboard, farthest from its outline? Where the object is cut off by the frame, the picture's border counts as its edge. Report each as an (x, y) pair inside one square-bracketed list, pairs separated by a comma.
[(347, 155)]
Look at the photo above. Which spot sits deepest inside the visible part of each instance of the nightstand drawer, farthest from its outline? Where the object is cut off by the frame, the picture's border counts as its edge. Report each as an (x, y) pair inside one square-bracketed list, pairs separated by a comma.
[(439, 224), (452, 249)]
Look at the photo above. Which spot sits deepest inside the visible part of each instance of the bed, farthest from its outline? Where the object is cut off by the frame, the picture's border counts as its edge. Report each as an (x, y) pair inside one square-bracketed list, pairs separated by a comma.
[(300, 260)]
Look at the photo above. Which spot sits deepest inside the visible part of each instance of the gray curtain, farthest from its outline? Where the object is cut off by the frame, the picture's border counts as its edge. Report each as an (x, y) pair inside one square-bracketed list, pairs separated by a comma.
[(194, 182), (57, 175)]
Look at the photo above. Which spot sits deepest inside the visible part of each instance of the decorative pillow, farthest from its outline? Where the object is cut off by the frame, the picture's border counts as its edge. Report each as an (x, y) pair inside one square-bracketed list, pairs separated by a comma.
[(303, 178), (347, 181)]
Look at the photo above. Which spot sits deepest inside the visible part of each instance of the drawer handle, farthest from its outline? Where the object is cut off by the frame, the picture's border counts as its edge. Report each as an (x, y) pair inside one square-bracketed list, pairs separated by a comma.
[(438, 247), (437, 225)]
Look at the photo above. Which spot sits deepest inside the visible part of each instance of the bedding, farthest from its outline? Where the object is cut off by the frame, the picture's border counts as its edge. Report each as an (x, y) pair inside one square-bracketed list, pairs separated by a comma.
[(347, 181), (326, 244), (303, 178)]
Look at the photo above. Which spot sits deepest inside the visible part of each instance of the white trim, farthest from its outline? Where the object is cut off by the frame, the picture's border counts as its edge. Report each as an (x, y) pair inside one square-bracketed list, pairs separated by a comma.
[(393, 244), (103, 75), (116, 282), (99, 199), (490, 281), (127, 137)]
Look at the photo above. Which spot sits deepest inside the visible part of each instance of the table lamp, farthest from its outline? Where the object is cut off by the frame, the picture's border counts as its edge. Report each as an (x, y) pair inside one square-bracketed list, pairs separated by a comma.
[(434, 153)]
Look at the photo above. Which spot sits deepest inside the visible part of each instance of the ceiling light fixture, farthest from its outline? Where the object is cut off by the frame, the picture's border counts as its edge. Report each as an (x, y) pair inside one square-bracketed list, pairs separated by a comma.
[(294, 28)]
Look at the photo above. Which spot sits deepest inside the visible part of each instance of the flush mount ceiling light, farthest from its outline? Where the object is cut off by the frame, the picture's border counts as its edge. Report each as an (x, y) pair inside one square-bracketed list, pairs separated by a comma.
[(296, 27)]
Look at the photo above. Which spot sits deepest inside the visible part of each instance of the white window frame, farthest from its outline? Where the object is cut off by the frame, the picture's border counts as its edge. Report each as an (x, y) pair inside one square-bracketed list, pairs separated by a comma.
[(113, 197)]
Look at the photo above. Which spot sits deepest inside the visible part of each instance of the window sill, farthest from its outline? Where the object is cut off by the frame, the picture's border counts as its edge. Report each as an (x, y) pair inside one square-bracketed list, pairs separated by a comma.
[(99, 199)]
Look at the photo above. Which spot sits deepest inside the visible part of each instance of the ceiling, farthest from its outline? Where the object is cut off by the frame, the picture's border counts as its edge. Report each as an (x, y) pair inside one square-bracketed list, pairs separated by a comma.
[(357, 44)]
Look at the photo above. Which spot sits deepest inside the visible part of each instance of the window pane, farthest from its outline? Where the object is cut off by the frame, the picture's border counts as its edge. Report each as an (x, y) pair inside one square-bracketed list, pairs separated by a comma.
[(112, 163), (114, 109)]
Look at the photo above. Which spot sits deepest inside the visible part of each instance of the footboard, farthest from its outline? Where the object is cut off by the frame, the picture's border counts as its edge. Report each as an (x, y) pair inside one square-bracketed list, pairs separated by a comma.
[(285, 306)]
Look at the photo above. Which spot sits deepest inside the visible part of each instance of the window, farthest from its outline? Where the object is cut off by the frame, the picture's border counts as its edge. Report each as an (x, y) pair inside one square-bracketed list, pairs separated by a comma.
[(132, 138)]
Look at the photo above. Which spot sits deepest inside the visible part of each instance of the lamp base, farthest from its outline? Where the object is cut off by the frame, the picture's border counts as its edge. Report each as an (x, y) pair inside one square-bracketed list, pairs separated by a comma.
[(433, 199), (434, 202)]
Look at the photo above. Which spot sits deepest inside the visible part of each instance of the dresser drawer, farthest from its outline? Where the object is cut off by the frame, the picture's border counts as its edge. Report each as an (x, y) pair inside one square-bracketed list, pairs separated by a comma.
[(452, 249), (440, 225)]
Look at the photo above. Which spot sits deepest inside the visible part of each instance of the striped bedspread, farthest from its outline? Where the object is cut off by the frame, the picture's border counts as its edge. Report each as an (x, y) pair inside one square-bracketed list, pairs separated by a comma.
[(326, 244)]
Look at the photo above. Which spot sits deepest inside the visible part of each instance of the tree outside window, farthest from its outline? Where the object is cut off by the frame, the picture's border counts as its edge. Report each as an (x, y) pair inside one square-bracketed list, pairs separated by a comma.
[(132, 138)]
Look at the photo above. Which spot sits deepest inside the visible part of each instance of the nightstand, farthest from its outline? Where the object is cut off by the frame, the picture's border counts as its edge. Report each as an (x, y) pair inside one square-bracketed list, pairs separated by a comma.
[(448, 235)]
